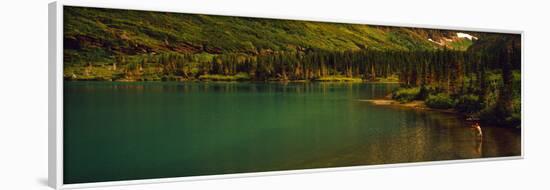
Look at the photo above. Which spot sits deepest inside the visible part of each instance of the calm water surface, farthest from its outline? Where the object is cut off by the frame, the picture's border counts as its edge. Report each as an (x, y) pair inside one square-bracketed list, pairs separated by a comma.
[(125, 131)]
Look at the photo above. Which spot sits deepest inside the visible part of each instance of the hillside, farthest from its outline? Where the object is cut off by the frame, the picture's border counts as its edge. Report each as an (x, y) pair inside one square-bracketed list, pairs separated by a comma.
[(97, 35)]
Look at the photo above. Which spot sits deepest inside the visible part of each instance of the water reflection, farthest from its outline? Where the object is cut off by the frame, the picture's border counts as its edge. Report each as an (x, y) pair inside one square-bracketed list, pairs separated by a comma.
[(116, 131), (323, 88), (423, 136)]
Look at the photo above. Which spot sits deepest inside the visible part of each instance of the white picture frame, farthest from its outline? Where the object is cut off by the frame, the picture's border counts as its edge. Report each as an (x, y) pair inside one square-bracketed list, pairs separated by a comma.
[(55, 93)]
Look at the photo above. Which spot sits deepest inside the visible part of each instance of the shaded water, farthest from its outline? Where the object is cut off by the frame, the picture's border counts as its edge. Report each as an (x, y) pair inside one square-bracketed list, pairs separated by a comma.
[(125, 131)]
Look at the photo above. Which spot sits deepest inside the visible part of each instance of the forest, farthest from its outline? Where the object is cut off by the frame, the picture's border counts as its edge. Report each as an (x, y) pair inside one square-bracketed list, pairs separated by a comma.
[(478, 77)]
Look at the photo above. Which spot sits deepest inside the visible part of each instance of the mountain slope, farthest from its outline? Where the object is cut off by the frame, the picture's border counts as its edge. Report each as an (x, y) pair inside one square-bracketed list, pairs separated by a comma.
[(100, 33)]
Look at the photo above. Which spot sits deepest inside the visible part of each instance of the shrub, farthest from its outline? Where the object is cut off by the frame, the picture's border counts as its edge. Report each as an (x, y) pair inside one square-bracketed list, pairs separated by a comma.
[(488, 114), (440, 101), (516, 103), (514, 120), (495, 115), (468, 103), (242, 76), (423, 93), (406, 94), (216, 77)]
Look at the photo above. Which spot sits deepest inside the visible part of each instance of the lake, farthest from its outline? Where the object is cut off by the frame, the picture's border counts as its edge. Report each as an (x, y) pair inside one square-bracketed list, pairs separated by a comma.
[(141, 130)]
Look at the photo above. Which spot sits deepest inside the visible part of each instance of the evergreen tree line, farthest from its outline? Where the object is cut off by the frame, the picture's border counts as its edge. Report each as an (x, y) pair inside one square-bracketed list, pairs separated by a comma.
[(449, 70)]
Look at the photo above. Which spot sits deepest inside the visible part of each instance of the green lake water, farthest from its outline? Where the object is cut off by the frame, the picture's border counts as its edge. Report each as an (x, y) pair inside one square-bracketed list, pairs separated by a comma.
[(142, 130)]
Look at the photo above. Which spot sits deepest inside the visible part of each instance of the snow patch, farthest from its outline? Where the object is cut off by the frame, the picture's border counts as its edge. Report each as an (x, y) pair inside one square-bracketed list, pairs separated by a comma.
[(464, 35)]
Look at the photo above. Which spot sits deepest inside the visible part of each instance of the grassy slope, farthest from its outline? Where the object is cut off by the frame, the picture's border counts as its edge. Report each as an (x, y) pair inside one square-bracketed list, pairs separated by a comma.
[(97, 34)]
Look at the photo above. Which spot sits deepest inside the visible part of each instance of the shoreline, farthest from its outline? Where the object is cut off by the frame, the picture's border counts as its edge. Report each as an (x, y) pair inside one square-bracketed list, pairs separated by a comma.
[(419, 105), (237, 81), (416, 104)]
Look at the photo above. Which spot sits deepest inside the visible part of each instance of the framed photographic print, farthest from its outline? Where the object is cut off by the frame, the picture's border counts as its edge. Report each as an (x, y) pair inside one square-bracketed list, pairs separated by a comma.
[(145, 96)]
